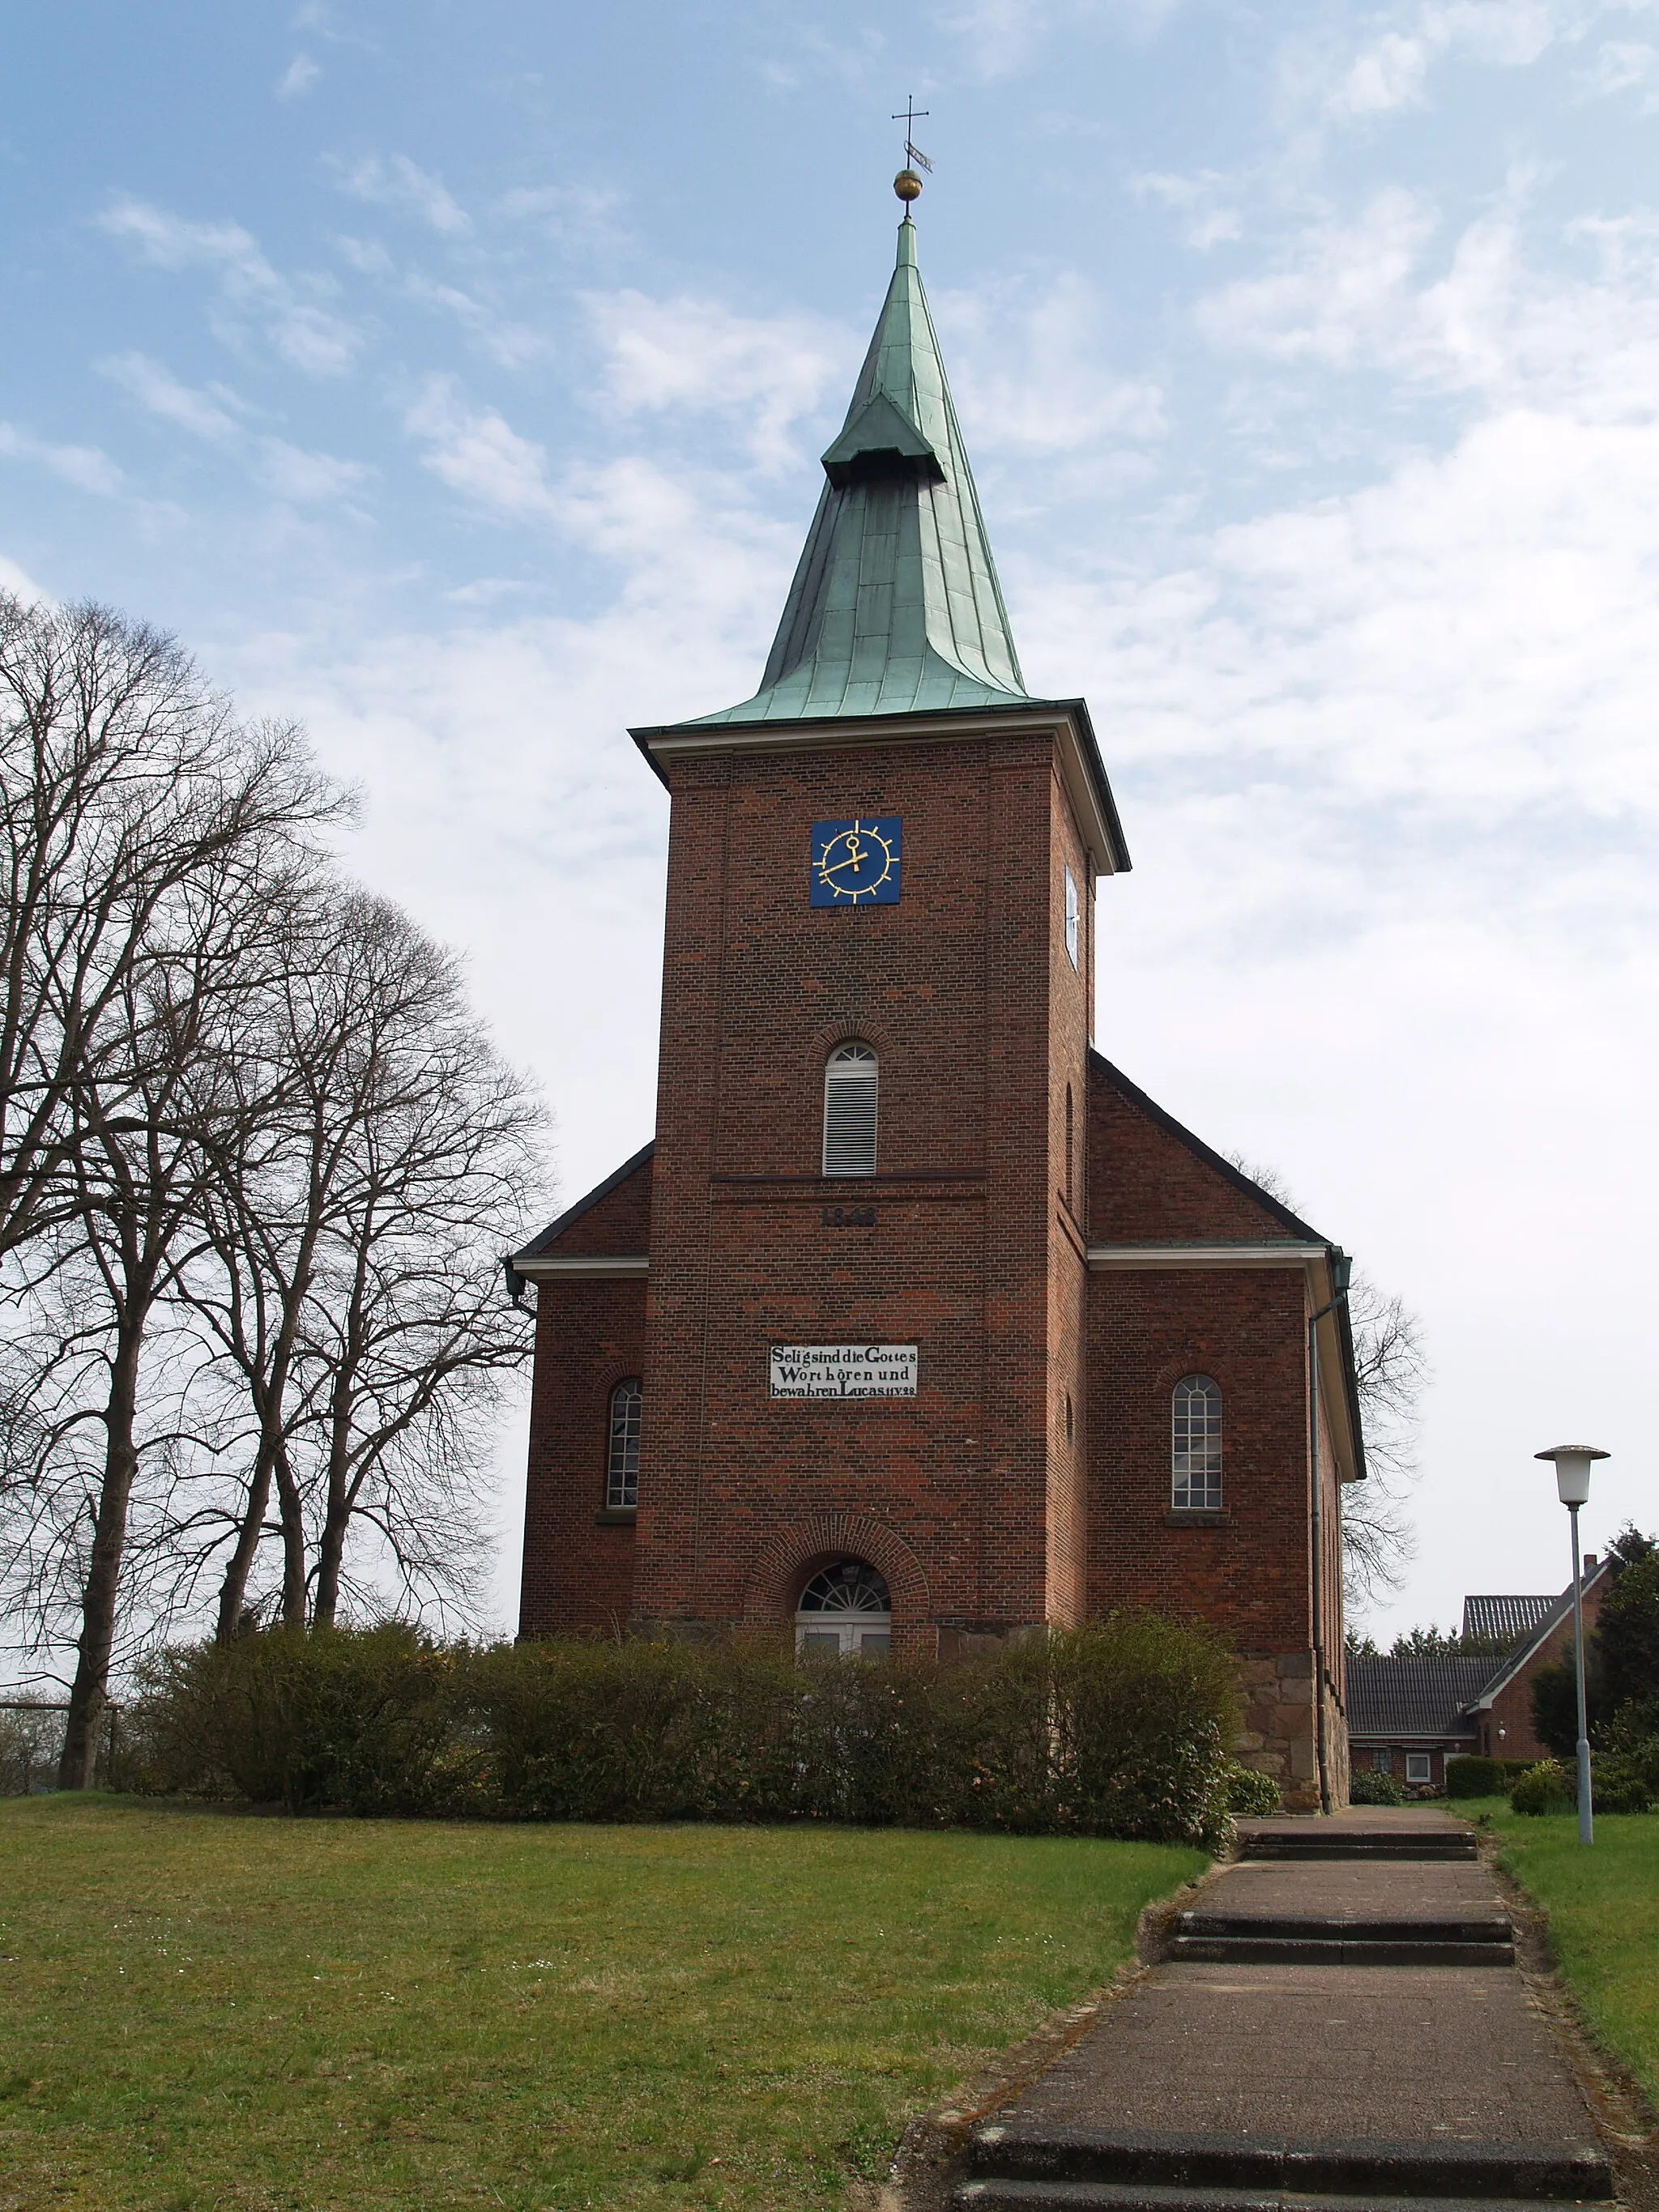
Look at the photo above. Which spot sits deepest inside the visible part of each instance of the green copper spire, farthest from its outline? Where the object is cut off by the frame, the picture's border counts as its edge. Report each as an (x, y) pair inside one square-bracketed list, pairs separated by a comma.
[(896, 608)]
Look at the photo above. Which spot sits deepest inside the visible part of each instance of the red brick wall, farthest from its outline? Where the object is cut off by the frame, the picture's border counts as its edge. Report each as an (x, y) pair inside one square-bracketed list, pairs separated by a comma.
[(1244, 1327), (578, 1572), (953, 986)]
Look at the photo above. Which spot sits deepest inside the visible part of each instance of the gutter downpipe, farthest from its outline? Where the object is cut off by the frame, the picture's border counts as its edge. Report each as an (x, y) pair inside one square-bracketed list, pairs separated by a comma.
[(1341, 1271)]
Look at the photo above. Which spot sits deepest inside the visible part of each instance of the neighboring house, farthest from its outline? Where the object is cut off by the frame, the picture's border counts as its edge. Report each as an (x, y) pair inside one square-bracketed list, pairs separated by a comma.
[(1408, 1717)]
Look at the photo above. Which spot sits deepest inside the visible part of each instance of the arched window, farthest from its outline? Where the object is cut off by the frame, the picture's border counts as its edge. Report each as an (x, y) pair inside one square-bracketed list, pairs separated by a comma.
[(1195, 1458), (622, 1473), (849, 1111), (845, 1612)]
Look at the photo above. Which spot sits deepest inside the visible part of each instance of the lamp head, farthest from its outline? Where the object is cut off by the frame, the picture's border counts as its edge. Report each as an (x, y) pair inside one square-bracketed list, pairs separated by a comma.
[(1573, 1467)]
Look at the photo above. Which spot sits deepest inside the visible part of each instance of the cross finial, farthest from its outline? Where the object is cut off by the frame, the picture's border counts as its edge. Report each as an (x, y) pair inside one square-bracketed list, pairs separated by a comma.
[(908, 184)]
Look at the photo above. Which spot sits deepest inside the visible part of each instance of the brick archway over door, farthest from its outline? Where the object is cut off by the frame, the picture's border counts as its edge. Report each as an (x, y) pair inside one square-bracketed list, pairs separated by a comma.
[(769, 1600)]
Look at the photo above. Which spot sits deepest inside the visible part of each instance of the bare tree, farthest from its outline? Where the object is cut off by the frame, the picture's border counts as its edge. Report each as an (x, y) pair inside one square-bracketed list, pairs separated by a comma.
[(122, 775), (1391, 1371), (411, 1335), (143, 829), (151, 1111), (353, 1288)]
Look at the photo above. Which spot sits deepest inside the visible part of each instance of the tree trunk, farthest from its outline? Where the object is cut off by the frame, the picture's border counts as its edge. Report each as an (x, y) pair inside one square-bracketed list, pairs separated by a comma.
[(90, 1694), (336, 1516), (233, 1590), (294, 1543)]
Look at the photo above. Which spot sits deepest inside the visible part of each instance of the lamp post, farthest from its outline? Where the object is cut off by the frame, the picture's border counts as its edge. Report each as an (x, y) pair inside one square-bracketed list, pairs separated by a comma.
[(1573, 1467)]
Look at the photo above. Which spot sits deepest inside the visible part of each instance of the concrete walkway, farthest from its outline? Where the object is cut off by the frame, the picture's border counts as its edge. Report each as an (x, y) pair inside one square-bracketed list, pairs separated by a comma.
[(1262, 2065)]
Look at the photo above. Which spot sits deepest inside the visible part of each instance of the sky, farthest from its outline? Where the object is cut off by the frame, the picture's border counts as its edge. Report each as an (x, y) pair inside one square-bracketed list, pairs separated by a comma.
[(453, 378)]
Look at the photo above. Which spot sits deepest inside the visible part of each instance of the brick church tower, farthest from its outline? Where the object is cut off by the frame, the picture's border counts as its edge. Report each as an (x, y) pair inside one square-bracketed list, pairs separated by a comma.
[(918, 1325)]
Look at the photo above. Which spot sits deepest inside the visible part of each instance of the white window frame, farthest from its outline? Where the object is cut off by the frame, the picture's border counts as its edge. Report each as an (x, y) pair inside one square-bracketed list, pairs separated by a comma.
[(856, 1624), (852, 1108), (622, 1452), (1195, 1451), (1072, 911), (1414, 1760)]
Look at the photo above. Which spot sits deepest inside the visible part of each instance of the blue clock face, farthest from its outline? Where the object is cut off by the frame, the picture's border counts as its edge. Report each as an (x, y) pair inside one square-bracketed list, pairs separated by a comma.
[(856, 863)]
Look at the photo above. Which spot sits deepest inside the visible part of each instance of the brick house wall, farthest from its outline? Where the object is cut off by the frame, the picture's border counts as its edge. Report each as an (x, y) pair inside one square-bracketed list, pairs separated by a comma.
[(1510, 1710), (578, 1570)]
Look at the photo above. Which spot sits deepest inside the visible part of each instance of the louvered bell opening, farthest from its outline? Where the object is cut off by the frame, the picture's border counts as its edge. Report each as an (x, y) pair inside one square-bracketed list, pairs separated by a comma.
[(849, 1113)]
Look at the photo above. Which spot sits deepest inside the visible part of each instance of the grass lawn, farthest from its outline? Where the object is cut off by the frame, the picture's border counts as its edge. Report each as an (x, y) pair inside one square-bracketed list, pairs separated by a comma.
[(209, 2010), (1603, 1907)]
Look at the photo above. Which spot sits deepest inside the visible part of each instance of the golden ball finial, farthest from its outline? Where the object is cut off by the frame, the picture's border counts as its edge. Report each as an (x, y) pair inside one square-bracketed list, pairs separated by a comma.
[(908, 185)]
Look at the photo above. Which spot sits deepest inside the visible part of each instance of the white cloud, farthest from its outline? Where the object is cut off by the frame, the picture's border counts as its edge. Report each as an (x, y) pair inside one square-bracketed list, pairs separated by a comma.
[(1340, 291), (87, 467), (1620, 65), (301, 73), (307, 335), (697, 355), (286, 471), (307, 479), (158, 389), (398, 182), (1205, 199), (1001, 36), (512, 344), (581, 216), (1033, 375), (477, 453), (1391, 70)]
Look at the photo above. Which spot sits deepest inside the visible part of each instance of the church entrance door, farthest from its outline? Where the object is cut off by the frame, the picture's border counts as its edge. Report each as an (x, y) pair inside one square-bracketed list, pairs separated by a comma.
[(845, 1612)]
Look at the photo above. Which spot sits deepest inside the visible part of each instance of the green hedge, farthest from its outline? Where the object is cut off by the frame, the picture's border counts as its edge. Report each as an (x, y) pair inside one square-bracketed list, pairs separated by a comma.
[(1120, 1728), (1467, 1776)]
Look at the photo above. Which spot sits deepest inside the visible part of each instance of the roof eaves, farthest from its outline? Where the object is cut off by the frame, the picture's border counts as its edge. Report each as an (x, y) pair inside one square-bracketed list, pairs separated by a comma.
[(1078, 709)]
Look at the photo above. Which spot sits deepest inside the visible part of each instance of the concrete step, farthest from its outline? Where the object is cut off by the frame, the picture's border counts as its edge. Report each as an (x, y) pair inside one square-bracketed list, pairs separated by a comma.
[(1290, 1951), (1377, 1928), (1331, 1939), (994, 2196), (1346, 1843), (1162, 2171)]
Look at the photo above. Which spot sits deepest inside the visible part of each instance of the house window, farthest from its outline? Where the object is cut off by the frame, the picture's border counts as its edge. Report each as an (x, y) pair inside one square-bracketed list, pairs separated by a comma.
[(1382, 1762), (1071, 916), (622, 1478), (849, 1111), (1417, 1766), (845, 1612), (1195, 1457)]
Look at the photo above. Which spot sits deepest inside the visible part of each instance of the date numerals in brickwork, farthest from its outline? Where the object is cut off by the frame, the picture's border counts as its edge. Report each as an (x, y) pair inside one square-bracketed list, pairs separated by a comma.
[(849, 1217)]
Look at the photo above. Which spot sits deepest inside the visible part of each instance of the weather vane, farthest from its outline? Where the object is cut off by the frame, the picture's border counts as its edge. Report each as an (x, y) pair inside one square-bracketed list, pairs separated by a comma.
[(908, 184)]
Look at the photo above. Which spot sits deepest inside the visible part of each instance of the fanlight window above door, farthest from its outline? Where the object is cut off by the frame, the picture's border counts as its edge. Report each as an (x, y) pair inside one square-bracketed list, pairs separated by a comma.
[(845, 1612)]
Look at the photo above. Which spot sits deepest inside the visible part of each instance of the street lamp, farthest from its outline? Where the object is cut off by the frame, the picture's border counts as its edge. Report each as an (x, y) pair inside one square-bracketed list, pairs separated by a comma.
[(1572, 1470)]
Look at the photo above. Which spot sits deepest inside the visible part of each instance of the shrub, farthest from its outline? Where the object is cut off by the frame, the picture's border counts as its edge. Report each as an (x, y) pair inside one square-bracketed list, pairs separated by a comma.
[(1117, 1728), (1250, 1792), (1542, 1789), (1627, 1768), (1367, 1787), (1469, 1776)]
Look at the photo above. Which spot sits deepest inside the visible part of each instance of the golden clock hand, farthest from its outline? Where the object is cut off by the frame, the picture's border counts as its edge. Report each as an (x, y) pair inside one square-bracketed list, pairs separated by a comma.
[(824, 869)]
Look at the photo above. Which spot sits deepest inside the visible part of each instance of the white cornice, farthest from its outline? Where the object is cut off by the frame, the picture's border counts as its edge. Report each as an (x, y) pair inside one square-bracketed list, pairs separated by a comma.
[(1125, 1258), (1098, 833), (583, 1267)]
